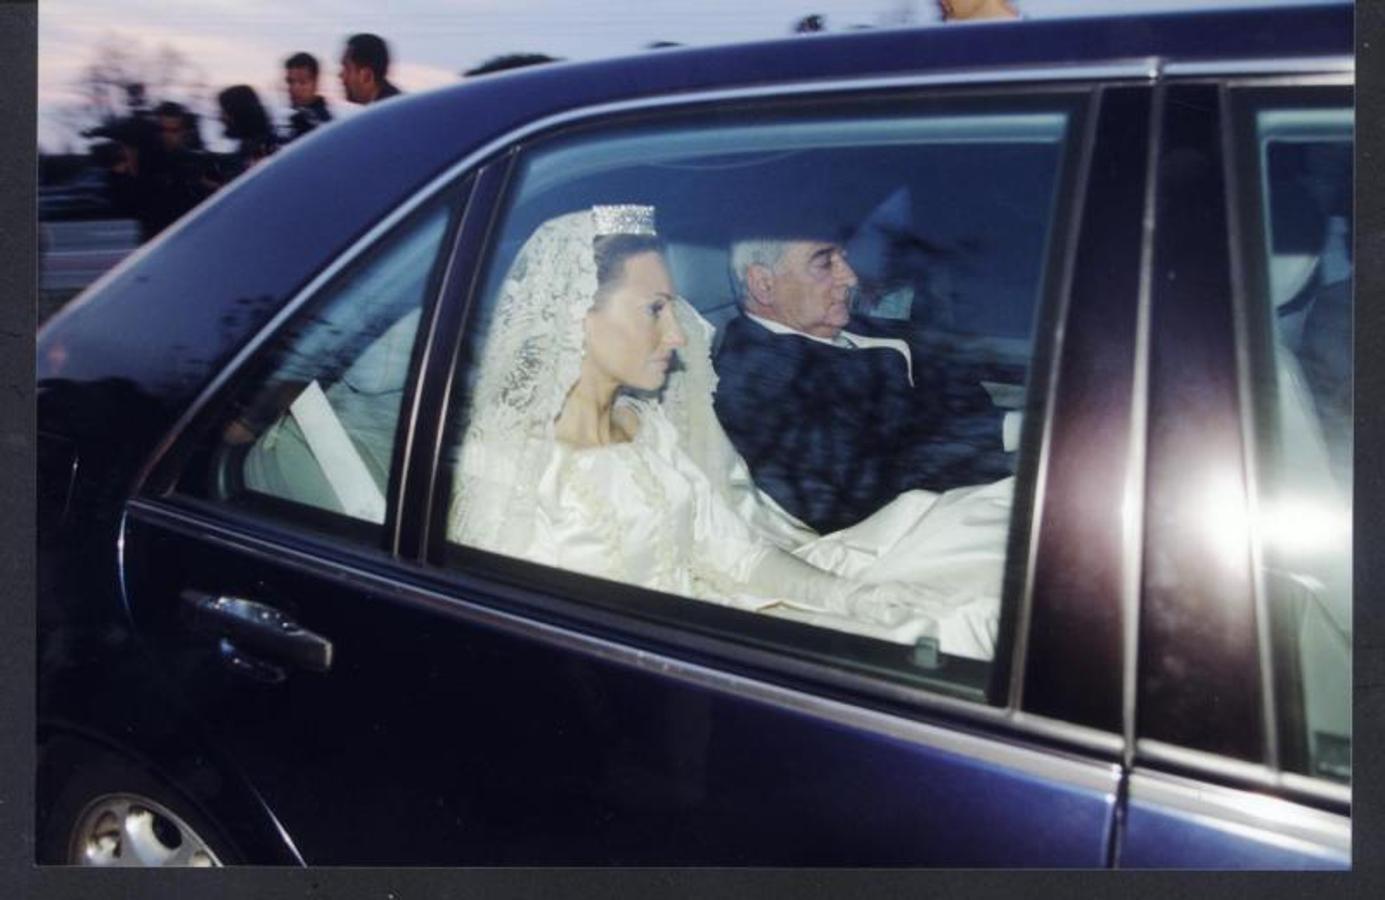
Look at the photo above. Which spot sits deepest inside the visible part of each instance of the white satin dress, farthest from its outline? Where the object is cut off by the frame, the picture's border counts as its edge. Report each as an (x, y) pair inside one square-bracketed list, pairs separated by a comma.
[(644, 513)]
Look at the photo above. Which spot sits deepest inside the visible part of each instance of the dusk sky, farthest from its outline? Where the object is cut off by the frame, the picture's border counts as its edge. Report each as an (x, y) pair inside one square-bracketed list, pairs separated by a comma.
[(432, 41)]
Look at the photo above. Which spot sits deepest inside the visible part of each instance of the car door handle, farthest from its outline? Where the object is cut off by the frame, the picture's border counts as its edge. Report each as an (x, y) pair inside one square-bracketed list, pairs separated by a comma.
[(257, 628)]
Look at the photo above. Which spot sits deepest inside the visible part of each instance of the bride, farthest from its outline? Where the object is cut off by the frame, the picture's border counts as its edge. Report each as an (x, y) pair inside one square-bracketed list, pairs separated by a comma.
[(592, 446)]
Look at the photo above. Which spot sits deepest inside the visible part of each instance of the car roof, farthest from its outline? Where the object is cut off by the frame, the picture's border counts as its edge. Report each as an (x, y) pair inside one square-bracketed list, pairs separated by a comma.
[(1273, 35), (1206, 33)]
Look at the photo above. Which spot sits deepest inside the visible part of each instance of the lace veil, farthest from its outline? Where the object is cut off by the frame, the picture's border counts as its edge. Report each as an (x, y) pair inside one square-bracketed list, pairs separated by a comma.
[(531, 359)]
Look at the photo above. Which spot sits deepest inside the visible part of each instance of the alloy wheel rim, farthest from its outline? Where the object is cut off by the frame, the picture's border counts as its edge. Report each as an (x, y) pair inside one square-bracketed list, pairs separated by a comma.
[(131, 831)]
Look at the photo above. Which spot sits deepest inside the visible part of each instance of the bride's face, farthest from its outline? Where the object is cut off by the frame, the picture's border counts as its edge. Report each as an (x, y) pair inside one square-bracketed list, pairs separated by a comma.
[(631, 330)]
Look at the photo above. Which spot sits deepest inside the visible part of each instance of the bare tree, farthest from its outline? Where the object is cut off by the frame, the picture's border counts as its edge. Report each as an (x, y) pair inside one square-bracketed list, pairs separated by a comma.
[(123, 75), (104, 83), (172, 76)]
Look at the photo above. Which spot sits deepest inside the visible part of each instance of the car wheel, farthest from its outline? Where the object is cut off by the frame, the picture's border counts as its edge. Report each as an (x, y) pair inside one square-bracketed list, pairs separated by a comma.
[(110, 813)]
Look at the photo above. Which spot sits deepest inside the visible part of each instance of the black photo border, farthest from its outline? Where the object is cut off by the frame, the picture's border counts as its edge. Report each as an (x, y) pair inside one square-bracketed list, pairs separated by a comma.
[(21, 878)]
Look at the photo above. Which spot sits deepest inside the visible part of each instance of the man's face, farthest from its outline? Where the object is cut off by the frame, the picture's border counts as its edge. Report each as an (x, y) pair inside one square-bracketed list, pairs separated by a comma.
[(811, 287), (302, 85), (355, 80), (171, 132)]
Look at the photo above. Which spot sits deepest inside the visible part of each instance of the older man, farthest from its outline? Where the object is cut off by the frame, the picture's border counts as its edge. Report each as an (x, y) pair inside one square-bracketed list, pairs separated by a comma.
[(835, 423)]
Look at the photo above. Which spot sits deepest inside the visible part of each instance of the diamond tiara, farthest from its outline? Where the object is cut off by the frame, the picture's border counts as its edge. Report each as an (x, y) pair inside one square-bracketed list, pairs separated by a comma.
[(623, 218)]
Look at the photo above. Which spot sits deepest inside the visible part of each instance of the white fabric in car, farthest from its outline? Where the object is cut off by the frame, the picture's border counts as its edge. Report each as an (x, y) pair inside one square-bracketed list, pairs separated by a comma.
[(643, 513), (340, 461)]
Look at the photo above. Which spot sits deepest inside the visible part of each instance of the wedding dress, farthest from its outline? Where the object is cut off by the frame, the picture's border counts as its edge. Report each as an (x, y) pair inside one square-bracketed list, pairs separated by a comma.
[(674, 509)]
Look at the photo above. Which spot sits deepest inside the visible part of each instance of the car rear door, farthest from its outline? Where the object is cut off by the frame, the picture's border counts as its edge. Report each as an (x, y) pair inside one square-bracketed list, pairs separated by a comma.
[(394, 706)]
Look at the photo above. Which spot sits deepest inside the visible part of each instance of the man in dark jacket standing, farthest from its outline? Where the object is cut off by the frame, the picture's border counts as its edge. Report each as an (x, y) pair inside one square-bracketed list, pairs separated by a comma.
[(835, 423), (364, 64), (309, 108)]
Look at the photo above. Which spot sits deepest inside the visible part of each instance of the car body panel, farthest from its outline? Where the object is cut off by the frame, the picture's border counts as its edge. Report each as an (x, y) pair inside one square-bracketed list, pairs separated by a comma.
[(578, 760), (1177, 822)]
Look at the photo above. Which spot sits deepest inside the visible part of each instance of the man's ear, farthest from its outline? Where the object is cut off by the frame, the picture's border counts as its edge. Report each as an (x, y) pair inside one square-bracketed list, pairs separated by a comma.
[(759, 282)]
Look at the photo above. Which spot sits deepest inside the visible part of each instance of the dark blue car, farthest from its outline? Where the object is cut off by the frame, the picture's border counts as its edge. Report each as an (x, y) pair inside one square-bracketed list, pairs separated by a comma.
[(1118, 249)]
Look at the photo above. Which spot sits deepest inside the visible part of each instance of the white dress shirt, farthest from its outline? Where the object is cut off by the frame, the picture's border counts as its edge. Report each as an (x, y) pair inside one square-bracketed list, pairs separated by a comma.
[(846, 340)]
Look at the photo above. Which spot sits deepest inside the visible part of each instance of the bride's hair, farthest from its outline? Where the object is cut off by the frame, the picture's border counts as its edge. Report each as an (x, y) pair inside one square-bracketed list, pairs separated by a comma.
[(612, 250)]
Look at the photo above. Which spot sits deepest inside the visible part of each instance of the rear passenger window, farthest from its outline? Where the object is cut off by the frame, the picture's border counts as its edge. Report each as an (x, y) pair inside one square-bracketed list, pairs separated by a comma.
[(309, 434), (1300, 280), (763, 374)]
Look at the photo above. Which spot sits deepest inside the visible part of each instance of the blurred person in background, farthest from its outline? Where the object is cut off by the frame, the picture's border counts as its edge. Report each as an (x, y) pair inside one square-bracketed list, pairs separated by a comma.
[(155, 168), (174, 173), (972, 10), (192, 131), (245, 120), (309, 108), (176, 126), (129, 141), (364, 64), (119, 157)]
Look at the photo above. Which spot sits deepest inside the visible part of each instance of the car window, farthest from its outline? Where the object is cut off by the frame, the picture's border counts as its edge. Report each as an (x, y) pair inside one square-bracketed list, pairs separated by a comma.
[(1303, 288), (313, 424), (762, 373)]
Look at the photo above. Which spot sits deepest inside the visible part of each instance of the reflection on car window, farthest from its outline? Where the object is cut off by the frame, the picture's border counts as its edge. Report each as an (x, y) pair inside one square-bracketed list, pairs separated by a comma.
[(318, 428), (777, 366), (1306, 192)]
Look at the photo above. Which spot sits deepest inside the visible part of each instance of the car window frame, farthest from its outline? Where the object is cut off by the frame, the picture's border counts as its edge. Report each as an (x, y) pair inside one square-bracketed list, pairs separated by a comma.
[(1243, 99), (267, 515), (816, 676)]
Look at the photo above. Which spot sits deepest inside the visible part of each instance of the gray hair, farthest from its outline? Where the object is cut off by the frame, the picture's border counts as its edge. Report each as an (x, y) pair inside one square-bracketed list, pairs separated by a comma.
[(753, 252)]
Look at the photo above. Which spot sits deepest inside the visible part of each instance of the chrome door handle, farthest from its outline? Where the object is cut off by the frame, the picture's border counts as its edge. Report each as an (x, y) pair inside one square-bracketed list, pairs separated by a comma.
[(257, 628)]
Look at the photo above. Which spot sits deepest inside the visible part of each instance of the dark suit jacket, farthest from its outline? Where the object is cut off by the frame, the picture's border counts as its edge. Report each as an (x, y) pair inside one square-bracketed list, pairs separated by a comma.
[(833, 434)]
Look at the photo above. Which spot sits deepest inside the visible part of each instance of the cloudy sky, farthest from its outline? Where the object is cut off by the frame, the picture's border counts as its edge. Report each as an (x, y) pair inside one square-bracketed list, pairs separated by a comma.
[(432, 41)]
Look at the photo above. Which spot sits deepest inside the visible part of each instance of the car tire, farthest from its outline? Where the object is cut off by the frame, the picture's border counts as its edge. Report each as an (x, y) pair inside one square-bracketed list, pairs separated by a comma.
[(108, 811)]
